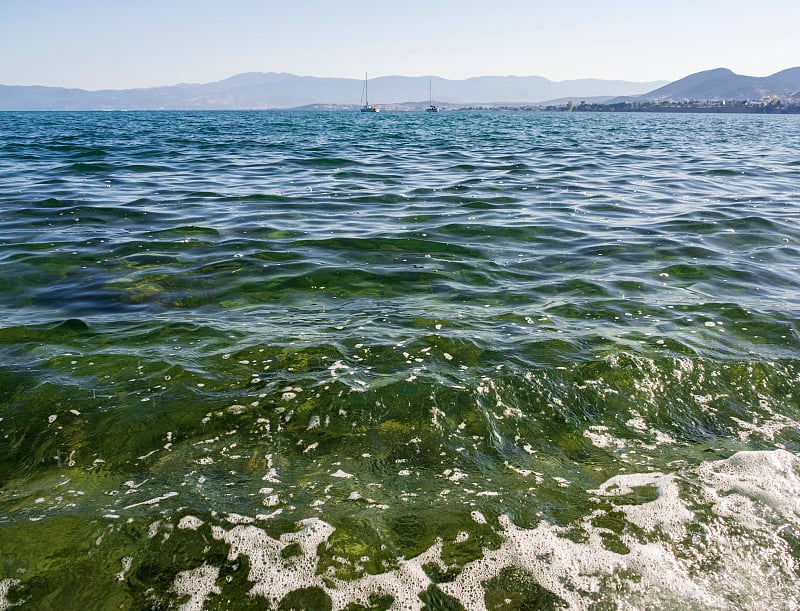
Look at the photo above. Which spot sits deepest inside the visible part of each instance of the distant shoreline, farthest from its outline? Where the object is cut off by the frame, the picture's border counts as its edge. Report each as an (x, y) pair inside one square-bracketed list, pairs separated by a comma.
[(716, 107), (695, 107)]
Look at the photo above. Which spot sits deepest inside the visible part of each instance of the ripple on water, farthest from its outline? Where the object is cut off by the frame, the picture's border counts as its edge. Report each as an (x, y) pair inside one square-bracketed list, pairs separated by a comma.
[(321, 360)]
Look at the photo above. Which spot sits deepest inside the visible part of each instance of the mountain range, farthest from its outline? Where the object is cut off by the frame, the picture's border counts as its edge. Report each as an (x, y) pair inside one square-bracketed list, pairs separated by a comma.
[(724, 84), (258, 90)]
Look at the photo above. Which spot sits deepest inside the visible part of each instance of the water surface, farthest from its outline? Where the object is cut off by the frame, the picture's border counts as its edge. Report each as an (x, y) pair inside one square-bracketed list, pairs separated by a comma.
[(462, 360)]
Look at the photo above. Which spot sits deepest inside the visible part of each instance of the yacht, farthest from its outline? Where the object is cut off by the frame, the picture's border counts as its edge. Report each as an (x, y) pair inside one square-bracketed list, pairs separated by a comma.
[(432, 107), (367, 107)]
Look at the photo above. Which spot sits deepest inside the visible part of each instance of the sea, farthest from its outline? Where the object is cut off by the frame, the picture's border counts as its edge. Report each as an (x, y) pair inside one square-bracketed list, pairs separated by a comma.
[(458, 360)]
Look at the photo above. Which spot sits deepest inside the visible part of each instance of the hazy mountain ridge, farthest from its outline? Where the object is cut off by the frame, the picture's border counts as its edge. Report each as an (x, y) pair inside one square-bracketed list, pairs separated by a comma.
[(266, 90), (724, 84), (257, 90)]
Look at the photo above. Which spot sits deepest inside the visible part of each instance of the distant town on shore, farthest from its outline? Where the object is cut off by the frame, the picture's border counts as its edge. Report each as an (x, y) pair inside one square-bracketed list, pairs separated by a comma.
[(711, 91), (774, 106)]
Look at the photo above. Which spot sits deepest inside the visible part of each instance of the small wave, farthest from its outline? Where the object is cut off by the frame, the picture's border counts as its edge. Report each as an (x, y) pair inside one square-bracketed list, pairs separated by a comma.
[(258, 197), (385, 198), (146, 168), (202, 195), (88, 168), (324, 162), (720, 172), (186, 230)]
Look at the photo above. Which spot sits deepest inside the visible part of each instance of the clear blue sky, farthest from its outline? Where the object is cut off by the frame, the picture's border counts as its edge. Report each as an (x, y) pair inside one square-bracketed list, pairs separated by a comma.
[(94, 44)]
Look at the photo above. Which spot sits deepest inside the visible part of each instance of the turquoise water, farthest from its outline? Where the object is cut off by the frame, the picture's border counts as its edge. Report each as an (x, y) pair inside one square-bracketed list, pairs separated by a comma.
[(337, 361)]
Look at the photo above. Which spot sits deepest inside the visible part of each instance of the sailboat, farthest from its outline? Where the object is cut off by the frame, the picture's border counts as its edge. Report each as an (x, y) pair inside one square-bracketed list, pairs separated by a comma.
[(432, 107), (367, 107)]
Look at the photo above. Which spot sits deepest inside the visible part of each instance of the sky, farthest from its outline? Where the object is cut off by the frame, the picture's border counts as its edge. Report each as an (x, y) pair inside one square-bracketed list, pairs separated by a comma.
[(120, 44)]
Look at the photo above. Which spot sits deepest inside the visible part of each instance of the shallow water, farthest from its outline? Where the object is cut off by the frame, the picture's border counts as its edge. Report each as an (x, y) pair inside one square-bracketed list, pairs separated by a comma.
[(463, 360)]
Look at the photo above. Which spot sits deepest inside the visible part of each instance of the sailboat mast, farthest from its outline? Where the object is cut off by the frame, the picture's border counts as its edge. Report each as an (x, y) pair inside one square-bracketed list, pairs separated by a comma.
[(367, 107)]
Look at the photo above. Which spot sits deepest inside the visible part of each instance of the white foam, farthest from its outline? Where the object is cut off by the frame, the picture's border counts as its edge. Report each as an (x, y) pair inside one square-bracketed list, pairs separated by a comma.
[(601, 438), (403, 584), (127, 561), (153, 501), (733, 556), (766, 482), (269, 516), (576, 572), (758, 494), (5, 588), (198, 584), (274, 576), (767, 428), (667, 512), (235, 518), (190, 523)]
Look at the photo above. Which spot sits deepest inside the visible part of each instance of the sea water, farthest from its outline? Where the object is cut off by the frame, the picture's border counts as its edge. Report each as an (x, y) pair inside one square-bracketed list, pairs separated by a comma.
[(327, 360)]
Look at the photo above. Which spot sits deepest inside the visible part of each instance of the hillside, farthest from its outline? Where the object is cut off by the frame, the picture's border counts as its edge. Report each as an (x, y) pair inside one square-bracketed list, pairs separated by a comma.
[(724, 84)]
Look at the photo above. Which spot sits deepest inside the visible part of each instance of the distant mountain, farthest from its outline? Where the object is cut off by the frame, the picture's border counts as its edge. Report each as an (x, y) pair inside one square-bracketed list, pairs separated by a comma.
[(257, 90), (724, 84)]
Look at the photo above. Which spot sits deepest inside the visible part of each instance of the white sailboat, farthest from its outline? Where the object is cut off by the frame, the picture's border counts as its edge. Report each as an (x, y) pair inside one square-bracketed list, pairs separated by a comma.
[(432, 107), (367, 107)]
